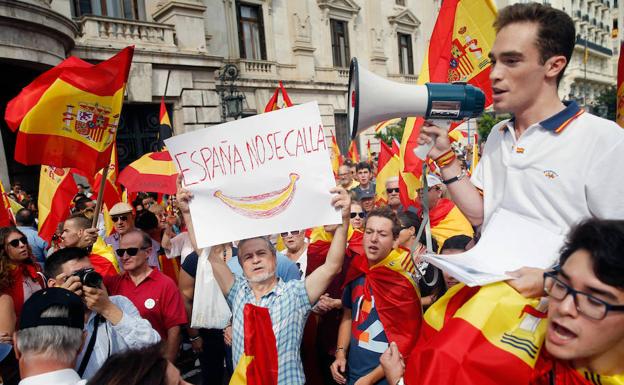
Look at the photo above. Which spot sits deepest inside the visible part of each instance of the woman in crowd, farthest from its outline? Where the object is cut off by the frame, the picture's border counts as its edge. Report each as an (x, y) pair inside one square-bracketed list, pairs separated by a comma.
[(20, 277), (358, 216)]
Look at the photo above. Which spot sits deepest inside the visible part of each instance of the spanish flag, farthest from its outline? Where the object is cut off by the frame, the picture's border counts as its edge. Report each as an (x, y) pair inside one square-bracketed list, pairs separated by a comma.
[(164, 129), (336, 156), (273, 103), (6, 215), (353, 152), (486, 335), (387, 166), (258, 364), (396, 295), (448, 221), (103, 259), (369, 154), (57, 188), (620, 88), (475, 154), (69, 115), (463, 36), (549, 371), (112, 191)]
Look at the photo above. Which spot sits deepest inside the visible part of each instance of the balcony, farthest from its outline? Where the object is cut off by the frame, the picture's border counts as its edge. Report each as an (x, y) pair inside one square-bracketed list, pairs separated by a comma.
[(117, 33), (593, 46), (257, 68)]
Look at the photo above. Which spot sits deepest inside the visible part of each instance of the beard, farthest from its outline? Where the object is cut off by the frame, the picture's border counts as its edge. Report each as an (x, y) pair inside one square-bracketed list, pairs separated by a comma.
[(261, 278)]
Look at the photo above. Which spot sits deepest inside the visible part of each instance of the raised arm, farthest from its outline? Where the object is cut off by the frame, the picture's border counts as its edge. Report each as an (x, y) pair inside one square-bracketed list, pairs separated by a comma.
[(317, 282), (465, 195), (221, 271)]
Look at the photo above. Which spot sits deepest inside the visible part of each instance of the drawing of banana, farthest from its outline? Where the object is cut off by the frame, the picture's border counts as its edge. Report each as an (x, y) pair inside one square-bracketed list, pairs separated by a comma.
[(263, 205)]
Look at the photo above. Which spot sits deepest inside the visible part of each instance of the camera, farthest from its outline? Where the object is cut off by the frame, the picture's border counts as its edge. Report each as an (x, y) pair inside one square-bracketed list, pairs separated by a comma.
[(89, 277)]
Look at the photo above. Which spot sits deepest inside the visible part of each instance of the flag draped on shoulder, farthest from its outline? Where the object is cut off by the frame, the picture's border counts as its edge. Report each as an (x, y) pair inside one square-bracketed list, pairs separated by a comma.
[(57, 188), (463, 36), (620, 88), (69, 115), (258, 364), (395, 293)]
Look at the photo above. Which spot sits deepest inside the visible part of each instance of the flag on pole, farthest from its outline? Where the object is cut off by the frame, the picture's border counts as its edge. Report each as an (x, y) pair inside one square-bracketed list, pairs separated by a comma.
[(353, 152), (258, 364), (112, 190), (387, 166), (463, 36), (336, 157), (273, 103), (164, 129), (369, 153), (6, 215), (57, 188), (620, 88), (68, 116)]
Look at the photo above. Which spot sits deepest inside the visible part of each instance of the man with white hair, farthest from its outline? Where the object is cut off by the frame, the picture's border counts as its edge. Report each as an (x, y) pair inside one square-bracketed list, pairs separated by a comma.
[(49, 338), (392, 191)]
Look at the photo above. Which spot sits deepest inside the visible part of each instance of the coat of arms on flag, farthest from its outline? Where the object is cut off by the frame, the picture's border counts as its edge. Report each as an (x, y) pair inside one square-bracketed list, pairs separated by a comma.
[(91, 121)]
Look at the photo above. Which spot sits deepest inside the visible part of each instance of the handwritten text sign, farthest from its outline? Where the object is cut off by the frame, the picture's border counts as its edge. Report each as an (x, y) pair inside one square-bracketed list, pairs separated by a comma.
[(261, 175)]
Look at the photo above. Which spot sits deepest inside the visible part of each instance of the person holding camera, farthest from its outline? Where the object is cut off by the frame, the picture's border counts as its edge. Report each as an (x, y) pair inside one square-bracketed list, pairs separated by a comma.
[(112, 324)]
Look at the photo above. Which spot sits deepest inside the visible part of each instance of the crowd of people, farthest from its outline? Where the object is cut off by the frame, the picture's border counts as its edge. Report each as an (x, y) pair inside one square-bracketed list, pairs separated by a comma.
[(346, 301)]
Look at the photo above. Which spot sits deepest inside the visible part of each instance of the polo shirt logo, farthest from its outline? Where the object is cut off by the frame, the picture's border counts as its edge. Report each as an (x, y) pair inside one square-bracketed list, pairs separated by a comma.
[(550, 174)]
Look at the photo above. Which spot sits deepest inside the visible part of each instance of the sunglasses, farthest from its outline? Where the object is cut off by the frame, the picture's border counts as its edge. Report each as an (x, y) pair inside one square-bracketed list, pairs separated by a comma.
[(120, 217), (17, 241), (131, 251), (392, 190), (287, 233), (361, 214)]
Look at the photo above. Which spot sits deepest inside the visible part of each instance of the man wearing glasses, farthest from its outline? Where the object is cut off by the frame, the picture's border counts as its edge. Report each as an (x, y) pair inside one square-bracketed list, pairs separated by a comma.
[(585, 338), (392, 192), (154, 294), (123, 221)]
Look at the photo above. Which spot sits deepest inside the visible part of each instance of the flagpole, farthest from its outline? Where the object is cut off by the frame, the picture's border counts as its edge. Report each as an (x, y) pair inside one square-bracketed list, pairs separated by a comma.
[(100, 198)]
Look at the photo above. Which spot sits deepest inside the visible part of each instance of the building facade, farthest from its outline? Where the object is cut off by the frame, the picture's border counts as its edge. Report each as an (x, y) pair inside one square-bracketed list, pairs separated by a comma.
[(204, 56)]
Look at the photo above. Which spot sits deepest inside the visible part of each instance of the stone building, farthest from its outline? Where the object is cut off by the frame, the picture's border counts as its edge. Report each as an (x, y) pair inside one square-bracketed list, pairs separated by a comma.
[(204, 56)]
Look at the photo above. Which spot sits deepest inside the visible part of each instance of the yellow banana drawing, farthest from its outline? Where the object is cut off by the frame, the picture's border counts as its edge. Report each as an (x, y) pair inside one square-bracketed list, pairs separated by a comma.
[(264, 205)]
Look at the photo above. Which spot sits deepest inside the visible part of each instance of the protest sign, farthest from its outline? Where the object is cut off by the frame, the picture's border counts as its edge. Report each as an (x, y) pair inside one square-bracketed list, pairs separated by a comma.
[(260, 175)]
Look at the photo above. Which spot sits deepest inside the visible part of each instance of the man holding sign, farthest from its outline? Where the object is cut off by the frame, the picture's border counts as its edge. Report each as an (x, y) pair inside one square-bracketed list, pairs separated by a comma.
[(288, 303)]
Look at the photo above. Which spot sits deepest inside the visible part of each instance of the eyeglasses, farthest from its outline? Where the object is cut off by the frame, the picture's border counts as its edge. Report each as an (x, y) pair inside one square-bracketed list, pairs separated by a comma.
[(132, 251), (16, 242), (120, 217), (361, 214), (585, 303), (287, 233), (392, 190)]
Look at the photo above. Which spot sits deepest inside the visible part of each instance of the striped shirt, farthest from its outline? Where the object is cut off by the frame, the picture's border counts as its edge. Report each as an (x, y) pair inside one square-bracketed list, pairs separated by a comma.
[(289, 307)]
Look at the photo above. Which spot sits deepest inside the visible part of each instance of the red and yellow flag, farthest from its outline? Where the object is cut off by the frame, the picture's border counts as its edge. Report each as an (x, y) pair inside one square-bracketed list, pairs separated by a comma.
[(369, 153), (152, 172), (258, 364), (387, 166), (620, 88), (6, 215), (165, 130), (112, 191), (103, 258), (273, 104), (448, 221), (353, 152), (463, 36), (475, 154), (336, 156), (68, 116), (57, 188)]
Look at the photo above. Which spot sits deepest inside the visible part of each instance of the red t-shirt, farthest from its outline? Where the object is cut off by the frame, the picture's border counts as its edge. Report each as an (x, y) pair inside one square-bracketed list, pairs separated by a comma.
[(157, 298)]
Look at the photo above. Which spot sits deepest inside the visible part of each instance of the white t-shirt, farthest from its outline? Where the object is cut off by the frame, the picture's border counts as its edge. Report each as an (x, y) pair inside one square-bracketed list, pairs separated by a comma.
[(180, 245), (57, 377), (560, 171)]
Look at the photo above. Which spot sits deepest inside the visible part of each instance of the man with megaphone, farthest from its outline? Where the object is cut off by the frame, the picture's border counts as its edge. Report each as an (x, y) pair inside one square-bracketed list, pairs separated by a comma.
[(553, 162)]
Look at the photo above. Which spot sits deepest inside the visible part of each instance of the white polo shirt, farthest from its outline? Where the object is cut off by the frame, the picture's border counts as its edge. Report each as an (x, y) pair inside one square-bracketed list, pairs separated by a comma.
[(560, 171)]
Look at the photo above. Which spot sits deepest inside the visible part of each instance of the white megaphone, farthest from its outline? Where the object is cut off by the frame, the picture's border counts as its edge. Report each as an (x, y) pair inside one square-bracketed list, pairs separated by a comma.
[(373, 99)]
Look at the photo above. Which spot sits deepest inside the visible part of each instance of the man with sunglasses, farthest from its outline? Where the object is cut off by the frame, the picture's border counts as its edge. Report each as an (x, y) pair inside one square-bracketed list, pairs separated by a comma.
[(296, 249), (123, 221), (113, 323), (392, 192), (155, 295), (585, 337)]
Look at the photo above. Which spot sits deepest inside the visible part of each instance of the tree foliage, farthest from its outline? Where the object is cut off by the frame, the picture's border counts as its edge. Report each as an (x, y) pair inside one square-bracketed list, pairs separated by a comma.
[(486, 121), (394, 131), (608, 99)]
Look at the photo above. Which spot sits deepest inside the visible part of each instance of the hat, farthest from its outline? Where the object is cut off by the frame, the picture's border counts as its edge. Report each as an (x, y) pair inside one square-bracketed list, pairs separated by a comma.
[(367, 195), (433, 180), (120, 208), (43, 299), (5, 349)]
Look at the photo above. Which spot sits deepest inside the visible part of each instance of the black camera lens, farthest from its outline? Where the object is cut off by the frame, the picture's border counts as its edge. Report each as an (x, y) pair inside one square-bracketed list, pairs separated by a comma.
[(92, 279)]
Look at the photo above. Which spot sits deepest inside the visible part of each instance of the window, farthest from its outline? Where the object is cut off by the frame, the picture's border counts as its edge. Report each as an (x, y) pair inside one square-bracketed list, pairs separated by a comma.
[(250, 31), (121, 9), (343, 136), (340, 43), (400, 2), (406, 60)]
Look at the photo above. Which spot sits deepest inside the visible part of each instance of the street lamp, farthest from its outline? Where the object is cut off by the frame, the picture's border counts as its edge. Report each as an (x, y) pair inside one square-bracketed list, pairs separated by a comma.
[(231, 98)]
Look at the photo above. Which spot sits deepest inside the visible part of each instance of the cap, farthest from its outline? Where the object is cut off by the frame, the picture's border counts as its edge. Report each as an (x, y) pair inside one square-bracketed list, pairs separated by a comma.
[(42, 300), (120, 208), (433, 180), (367, 195), (5, 349)]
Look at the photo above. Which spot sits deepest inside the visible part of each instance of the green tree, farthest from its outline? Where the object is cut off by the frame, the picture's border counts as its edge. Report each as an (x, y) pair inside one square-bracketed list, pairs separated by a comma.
[(607, 99), (393, 131), (486, 121)]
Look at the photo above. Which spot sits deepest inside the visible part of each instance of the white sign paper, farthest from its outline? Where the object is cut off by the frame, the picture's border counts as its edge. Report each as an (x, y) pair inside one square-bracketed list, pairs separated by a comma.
[(509, 242), (260, 175)]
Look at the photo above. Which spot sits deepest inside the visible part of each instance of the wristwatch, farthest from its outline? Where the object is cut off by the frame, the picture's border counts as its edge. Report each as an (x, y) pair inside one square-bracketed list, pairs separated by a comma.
[(400, 381), (455, 178)]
